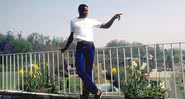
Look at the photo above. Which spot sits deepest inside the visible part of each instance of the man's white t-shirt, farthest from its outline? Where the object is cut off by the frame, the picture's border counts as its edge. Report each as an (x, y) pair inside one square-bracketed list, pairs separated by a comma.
[(83, 28)]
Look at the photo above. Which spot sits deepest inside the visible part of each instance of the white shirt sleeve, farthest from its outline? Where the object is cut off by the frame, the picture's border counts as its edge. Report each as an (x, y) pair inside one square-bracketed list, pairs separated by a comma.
[(71, 26), (96, 23)]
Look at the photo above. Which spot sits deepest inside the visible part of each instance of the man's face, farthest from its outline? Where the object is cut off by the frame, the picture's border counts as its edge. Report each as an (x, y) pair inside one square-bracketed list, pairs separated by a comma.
[(84, 12)]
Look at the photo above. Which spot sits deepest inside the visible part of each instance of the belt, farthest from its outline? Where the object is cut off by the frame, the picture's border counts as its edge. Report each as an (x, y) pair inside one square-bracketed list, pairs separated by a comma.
[(85, 42)]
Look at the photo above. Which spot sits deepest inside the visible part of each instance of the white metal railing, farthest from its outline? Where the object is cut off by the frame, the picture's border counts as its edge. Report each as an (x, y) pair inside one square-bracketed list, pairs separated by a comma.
[(164, 62)]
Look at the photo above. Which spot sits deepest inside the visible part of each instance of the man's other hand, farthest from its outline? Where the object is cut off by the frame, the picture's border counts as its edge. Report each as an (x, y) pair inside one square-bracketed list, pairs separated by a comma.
[(117, 16)]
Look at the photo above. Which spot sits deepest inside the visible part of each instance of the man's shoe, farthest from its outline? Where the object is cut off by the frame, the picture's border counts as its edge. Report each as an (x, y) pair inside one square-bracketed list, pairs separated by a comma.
[(84, 96), (99, 96)]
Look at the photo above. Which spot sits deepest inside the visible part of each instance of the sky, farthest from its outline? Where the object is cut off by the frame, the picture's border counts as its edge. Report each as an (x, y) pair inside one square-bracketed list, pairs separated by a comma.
[(145, 21)]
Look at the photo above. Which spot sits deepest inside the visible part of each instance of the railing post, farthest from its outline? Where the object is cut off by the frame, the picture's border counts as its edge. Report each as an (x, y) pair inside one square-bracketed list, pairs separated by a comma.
[(18, 69), (44, 62), (182, 66), (26, 64), (58, 71), (74, 81), (35, 58), (3, 71), (53, 65), (139, 56), (111, 68), (39, 61), (30, 62), (63, 73), (22, 75), (155, 54), (164, 63), (148, 67), (105, 71), (10, 71), (125, 71), (14, 80), (174, 78), (98, 67), (131, 55), (48, 65), (68, 71), (6, 72), (117, 55)]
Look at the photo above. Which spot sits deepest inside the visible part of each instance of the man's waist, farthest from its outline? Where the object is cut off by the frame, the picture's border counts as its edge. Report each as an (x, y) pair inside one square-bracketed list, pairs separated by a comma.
[(82, 38)]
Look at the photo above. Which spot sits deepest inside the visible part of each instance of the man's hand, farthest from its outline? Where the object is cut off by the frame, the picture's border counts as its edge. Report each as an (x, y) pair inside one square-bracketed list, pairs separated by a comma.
[(117, 16), (109, 23), (62, 50)]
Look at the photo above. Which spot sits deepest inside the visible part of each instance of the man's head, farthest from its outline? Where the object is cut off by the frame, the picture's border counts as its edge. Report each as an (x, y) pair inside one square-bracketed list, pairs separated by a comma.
[(83, 10)]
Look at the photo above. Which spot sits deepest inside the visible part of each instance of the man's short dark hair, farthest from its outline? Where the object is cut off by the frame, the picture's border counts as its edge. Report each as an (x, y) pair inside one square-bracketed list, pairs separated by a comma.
[(81, 7)]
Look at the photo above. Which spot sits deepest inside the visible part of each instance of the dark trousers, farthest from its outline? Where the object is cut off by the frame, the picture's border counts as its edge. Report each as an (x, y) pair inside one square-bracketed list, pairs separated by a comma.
[(84, 64)]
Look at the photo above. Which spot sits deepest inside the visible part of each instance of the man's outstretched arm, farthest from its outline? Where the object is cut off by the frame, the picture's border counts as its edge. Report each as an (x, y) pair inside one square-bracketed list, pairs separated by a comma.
[(69, 41), (110, 22)]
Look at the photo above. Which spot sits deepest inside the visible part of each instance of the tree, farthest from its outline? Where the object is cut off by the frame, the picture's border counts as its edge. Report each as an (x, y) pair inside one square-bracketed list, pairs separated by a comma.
[(115, 43), (37, 41), (6, 45), (22, 45), (10, 44), (57, 42), (43, 43), (136, 48)]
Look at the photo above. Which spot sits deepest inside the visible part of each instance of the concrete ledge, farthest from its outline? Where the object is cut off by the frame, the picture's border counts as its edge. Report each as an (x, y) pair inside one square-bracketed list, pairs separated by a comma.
[(9, 94), (29, 95), (32, 95)]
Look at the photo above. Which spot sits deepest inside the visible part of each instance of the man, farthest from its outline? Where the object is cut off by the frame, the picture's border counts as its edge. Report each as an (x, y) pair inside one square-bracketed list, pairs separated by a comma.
[(82, 32)]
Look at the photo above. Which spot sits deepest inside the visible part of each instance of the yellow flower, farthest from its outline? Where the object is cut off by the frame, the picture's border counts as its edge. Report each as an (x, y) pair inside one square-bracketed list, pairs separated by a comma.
[(30, 73), (36, 67), (21, 71), (114, 70)]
